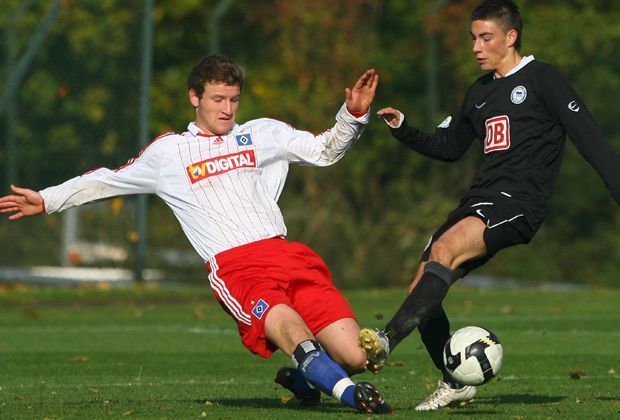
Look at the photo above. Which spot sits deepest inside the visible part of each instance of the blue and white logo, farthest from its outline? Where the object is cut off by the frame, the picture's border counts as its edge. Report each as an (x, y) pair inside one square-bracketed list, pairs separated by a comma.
[(260, 308), (518, 95), (244, 139)]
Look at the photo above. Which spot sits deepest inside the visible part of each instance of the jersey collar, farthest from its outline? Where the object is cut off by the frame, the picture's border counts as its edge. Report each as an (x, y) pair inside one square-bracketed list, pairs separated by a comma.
[(524, 61), (195, 131)]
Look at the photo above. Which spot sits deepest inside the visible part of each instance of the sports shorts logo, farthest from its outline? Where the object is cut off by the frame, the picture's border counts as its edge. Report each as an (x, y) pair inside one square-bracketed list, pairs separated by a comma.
[(445, 123), (260, 308), (518, 95), (244, 139), (220, 165), (498, 134)]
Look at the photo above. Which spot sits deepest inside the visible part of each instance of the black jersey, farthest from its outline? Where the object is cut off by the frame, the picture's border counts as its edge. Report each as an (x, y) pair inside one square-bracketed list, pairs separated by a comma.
[(522, 120)]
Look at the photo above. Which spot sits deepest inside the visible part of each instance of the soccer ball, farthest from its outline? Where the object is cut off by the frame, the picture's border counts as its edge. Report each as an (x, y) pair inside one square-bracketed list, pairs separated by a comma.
[(473, 356)]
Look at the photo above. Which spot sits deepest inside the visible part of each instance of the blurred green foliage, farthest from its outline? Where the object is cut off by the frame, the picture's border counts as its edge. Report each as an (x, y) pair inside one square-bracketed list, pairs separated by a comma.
[(372, 213)]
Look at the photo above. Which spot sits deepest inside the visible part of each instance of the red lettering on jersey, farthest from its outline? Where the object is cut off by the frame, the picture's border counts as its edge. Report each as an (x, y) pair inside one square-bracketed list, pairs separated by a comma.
[(498, 134), (221, 164)]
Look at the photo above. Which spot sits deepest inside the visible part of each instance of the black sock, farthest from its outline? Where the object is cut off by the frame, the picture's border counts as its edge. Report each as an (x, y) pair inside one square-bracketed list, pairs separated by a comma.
[(420, 303), (434, 332)]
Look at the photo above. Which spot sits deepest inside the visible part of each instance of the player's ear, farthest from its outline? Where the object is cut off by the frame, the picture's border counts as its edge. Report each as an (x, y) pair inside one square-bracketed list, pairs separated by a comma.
[(194, 99), (511, 37)]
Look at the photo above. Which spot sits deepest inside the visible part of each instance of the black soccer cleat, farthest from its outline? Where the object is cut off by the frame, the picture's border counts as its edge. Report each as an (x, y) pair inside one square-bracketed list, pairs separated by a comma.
[(369, 400), (293, 380)]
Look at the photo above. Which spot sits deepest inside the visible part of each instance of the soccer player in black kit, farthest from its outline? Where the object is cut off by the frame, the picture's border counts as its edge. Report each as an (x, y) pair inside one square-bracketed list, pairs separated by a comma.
[(522, 110)]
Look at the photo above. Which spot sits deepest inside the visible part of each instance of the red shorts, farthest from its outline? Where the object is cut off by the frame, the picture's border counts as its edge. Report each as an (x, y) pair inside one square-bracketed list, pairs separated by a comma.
[(251, 279)]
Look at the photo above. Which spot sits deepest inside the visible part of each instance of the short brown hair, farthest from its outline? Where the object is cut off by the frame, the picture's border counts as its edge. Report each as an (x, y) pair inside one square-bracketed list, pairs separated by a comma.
[(505, 12), (214, 69)]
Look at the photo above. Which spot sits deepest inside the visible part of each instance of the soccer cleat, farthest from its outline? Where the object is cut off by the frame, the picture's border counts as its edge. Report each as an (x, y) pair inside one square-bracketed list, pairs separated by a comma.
[(369, 400), (445, 395), (377, 347), (294, 381)]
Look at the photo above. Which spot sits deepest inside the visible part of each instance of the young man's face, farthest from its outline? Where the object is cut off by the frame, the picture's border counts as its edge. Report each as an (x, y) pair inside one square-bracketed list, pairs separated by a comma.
[(491, 45), (216, 109)]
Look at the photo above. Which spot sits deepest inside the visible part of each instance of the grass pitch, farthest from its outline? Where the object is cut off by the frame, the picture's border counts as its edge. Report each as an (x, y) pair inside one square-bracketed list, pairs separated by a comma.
[(173, 353)]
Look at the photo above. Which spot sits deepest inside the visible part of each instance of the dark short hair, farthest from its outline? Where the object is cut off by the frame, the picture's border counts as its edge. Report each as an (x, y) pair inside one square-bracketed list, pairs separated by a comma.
[(505, 12), (214, 69)]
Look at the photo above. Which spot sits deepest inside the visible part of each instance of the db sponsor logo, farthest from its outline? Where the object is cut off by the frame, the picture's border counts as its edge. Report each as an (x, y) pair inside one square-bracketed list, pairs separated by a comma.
[(221, 164), (498, 134)]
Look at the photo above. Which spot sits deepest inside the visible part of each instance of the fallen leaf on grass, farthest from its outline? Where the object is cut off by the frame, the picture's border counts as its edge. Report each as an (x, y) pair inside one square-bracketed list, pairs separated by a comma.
[(397, 363), (128, 413), (80, 359), (285, 399), (578, 401), (612, 371), (577, 374), (30, 314), (93, 391)]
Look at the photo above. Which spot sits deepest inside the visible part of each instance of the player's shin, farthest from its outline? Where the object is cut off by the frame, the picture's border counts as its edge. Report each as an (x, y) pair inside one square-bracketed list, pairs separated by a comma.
[(434, 332), (421, 302), (322, 372)]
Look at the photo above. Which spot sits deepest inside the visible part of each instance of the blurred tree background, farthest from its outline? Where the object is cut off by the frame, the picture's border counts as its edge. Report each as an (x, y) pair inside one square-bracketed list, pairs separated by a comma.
[(370, 215)]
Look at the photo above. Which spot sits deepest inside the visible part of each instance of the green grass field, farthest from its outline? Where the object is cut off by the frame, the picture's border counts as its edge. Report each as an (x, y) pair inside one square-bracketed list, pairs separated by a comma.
[(173, 353)]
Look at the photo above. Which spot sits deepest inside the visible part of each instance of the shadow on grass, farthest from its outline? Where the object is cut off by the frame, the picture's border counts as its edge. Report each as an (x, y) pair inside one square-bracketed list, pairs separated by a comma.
[(520, 399), (275, 403)]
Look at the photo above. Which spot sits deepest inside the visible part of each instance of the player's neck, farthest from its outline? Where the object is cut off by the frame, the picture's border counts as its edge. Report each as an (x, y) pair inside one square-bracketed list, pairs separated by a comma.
[(510, 61)]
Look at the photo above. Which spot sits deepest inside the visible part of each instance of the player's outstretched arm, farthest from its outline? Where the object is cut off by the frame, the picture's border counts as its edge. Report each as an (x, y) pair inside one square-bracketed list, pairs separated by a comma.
[(361, 95), (23, 202), (390, 115)]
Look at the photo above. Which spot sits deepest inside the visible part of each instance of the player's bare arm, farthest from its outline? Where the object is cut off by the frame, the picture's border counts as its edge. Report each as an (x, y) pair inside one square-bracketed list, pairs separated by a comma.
[(390, 115), (361, 95), (23, 202)]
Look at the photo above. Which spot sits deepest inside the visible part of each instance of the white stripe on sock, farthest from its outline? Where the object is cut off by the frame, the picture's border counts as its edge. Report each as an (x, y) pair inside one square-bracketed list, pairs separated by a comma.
[(340, 387)]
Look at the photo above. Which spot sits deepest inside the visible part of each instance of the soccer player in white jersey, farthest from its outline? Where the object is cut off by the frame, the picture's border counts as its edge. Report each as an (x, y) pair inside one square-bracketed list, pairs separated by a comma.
[(222, 181)]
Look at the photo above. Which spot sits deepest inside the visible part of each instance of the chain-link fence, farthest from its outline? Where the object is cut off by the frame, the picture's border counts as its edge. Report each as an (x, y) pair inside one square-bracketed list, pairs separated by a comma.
[(73, 98)]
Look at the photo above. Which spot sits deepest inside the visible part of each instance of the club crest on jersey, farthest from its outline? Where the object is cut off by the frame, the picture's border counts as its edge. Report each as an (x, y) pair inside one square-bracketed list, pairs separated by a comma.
[(260, 308), (221, 164), (518, 95), (244, 139), (498, 134)]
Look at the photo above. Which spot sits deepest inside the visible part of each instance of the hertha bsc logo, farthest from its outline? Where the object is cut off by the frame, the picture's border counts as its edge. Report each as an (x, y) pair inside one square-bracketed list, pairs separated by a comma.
[(518, 95), (498, 134)]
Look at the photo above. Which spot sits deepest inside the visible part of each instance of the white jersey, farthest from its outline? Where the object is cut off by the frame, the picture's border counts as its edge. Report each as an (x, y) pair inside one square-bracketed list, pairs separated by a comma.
[(222, 189)]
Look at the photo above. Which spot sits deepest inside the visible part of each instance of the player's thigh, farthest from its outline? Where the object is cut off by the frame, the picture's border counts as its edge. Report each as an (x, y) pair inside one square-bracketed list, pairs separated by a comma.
[(463, 241), (340, 340), (285, 328)]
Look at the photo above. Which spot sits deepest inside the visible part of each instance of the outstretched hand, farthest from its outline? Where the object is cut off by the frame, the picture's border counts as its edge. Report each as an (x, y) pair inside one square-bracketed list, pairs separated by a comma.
[(361, 95), (24, 202), (390, 115)]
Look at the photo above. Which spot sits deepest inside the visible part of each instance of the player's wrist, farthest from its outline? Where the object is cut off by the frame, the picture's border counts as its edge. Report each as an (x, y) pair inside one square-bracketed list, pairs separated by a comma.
[(358, 114)]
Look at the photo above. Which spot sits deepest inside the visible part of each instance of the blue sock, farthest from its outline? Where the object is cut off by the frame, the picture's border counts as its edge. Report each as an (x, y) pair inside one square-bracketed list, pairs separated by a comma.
[(322, 372)]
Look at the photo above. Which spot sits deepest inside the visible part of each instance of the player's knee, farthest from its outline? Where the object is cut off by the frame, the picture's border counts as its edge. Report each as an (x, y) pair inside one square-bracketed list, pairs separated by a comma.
[(441, 253), (353, 361)]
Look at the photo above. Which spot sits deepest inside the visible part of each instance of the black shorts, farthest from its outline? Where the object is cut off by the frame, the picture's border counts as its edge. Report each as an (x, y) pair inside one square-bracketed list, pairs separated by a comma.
[(508, 223)]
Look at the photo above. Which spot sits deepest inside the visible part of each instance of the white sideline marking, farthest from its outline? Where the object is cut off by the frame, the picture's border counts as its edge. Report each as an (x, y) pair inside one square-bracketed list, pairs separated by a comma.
[(131, 384), (117, 329)]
